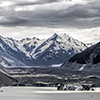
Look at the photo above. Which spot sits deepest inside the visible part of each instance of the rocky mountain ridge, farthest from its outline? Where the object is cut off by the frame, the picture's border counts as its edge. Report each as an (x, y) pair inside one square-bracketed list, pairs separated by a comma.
[(35, 52)]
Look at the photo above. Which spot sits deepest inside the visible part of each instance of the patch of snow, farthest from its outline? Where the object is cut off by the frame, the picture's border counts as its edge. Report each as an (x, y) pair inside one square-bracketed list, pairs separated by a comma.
[(2, 46), (9, 60), (82, 67), (56, 65)]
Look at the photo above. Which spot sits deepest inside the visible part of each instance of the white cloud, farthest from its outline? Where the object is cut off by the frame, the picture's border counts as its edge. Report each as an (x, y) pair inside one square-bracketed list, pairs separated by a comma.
[(6, 3), (85, 35)]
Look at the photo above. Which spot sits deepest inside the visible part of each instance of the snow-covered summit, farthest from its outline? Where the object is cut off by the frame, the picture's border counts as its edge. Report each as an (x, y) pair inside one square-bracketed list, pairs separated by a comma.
[(33, 51), (57, 49)]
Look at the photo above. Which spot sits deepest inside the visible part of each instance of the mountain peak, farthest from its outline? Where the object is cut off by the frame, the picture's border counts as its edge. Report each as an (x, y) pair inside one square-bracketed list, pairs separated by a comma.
[(32, 51), (29, 39), (54, 37), (55, 34)]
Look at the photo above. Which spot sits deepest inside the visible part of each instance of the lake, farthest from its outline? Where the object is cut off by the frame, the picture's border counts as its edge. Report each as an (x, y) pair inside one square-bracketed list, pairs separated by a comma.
[(45, 93)]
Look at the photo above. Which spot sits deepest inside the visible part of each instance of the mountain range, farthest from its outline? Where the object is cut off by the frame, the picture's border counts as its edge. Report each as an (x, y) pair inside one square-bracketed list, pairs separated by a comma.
[(35, 52)]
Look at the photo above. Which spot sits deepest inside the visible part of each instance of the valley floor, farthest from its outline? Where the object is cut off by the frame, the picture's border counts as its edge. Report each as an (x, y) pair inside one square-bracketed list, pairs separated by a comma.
[(46, 93), (53, 76)]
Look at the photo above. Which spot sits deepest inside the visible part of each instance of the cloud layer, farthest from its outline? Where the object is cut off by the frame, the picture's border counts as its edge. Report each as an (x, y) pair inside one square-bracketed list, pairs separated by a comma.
[(41, 18), (50, 13)]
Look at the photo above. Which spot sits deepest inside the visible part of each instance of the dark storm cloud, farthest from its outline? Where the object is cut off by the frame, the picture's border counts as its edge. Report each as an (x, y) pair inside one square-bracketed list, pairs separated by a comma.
[(78, 15), (13, 21)]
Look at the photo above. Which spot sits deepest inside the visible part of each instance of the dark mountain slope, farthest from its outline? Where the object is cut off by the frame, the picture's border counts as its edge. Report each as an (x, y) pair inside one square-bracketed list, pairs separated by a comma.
[(5, 79), (90, 55)]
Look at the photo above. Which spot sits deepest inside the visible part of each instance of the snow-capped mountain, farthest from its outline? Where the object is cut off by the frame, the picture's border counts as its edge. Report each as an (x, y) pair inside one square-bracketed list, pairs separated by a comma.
[(11, 53), (28, 45), (35, 52), (57, 49)]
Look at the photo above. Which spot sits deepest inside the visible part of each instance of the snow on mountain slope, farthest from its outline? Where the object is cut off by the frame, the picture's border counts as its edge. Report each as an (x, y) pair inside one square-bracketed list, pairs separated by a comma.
[(5, 44), (57, 49), (10, 42), (28, 45), (80, 46), (9, 50), (35, 52)]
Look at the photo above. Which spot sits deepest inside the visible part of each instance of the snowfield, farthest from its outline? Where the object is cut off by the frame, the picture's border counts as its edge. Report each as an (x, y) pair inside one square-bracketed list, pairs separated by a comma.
[(46, 93)]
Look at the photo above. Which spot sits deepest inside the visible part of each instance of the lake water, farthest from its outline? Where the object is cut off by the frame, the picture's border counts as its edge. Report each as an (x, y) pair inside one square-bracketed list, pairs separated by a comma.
[(44, 93)]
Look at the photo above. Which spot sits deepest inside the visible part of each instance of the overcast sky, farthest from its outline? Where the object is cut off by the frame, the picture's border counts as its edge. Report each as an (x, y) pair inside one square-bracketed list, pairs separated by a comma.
[(42, 18)]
